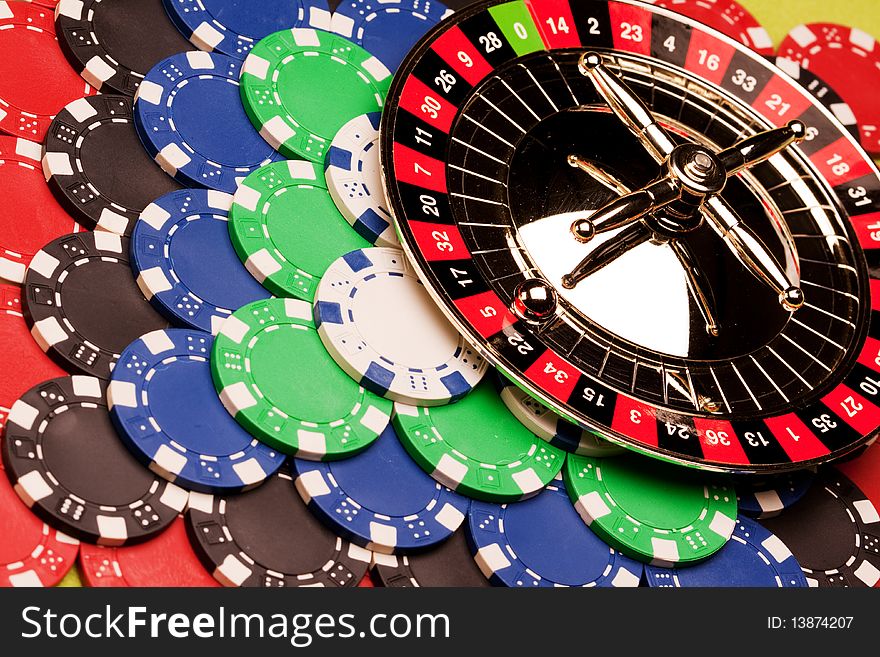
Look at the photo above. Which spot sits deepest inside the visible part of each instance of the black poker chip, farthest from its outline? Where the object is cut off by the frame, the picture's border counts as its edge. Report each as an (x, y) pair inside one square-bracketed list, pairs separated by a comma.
[(833, 532), (83, 304), (114, 43), (449, 564), (267, 537), (66, 462), (97, 168)]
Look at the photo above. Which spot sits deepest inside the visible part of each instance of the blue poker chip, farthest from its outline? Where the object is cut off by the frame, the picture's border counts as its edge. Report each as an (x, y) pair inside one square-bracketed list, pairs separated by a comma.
[(189, 116), (232, 27), (543, 542), (387, 29), (185, 264), (753, 557), (165, 408), (380, 499), (766, 497)]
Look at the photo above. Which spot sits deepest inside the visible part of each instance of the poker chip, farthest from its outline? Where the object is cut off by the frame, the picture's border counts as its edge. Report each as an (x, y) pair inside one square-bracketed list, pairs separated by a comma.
[(162, 402), (22, 362), (275, 378), (418, 358), (354, 180), (29, 51), (113, 43), (651, 511), (766, 497), (29, 215), (232, 27), (189, 117), (863, 473), (823, 92), (726, 16), (285, 90), (834, 532), (549, 426), (184, 262), (67, 463), (387, 28), (848, 58), (448, 564), (753, 557), (286, 229), (31, 553), (542, 543), (167, 560), (476, 447), (82, 303), (353, 498), (96, 167), (267, 537)]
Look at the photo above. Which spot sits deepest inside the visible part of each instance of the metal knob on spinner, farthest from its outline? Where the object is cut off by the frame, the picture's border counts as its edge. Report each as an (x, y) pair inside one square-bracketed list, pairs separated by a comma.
[(683, 198)]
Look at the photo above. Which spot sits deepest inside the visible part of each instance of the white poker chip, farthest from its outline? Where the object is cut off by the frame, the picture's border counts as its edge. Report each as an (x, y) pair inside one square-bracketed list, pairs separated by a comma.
[(355, 180), (379, 324), (550, 426)]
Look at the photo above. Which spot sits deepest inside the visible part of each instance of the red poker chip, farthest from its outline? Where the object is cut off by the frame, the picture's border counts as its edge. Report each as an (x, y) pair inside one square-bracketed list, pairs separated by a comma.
[(165, 561), (864, 471), (849, 60), (30, 216), (22, 363), (728, 17), (31, 552), (35, 79)]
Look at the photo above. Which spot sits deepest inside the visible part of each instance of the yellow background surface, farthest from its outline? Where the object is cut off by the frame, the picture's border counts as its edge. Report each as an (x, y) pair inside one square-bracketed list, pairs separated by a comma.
[(778, 16)]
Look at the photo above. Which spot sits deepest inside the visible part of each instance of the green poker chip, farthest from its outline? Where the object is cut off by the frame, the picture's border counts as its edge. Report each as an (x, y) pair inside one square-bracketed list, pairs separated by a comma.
[(477, 447), (651, 511), (300, 86), (286, 229), (277, 380)]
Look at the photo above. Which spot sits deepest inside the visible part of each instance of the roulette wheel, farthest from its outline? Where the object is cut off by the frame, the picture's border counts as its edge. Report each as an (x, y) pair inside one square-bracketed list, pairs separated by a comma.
[(645, 225)]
